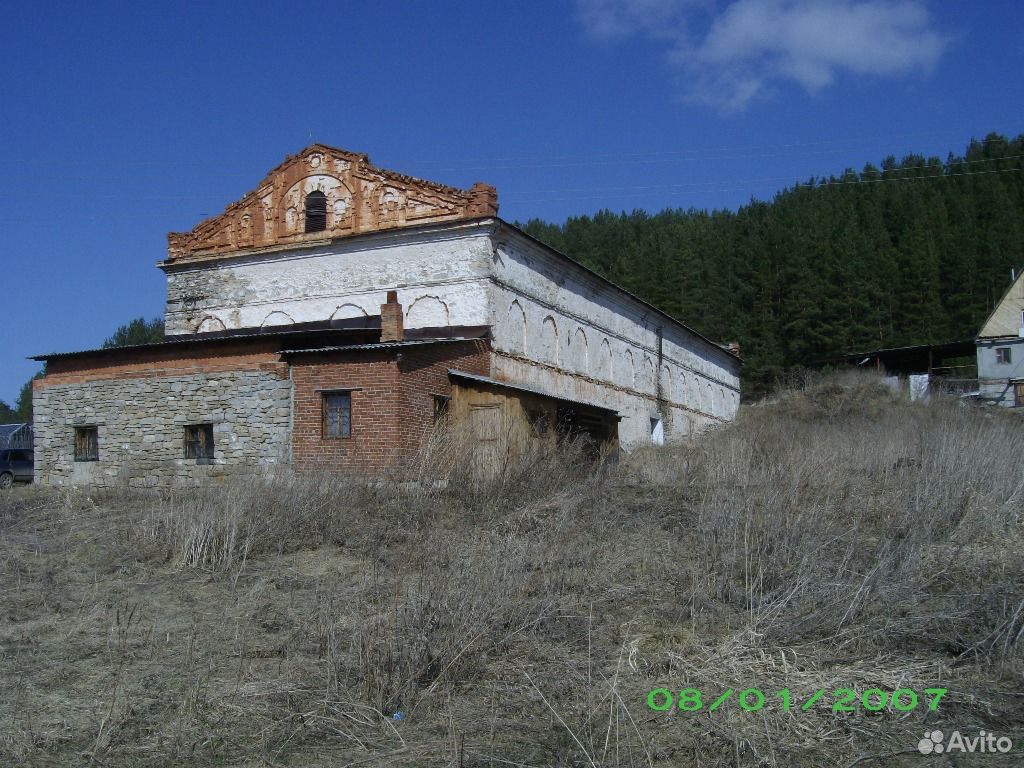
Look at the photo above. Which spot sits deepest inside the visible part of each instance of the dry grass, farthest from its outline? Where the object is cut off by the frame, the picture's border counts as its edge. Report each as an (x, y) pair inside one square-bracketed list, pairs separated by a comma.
[(831, 538)]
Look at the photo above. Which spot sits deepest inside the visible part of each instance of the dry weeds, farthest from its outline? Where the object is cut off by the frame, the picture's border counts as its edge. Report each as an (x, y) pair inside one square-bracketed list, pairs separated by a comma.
[(831, 538)]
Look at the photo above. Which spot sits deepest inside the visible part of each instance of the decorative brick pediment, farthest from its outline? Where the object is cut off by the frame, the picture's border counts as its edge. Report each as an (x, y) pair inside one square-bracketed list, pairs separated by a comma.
[(357, 197)]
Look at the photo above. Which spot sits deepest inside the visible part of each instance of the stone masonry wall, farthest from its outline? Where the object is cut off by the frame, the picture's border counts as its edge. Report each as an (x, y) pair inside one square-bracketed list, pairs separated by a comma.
[(141, 422)]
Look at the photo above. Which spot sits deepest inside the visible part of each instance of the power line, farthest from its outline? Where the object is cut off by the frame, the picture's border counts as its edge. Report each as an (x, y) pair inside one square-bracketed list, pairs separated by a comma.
[(513, 192), (694, 188), (716, 185), (583, 161), (809, 186), (853, 141), (536, 161)]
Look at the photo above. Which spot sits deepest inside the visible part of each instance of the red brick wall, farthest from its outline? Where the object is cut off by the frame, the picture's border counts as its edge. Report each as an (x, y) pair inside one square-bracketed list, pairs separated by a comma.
[(392, 401)]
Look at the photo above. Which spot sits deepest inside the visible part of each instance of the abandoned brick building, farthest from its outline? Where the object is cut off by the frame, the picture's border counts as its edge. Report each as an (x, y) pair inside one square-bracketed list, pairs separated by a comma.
[(331, 316)]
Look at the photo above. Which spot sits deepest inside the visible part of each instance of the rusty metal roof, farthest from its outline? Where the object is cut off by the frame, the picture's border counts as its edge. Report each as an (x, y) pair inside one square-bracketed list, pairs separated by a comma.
[(379, 345), (194, 338)]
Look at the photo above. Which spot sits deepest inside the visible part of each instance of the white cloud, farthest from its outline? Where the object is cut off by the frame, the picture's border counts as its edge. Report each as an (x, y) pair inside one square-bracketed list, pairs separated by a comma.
[(729, 57)]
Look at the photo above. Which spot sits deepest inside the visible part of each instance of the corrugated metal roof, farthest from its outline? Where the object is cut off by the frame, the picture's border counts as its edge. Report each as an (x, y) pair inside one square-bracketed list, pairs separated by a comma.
[(522, 388), (378, 345), (942, 346), (200, 339)]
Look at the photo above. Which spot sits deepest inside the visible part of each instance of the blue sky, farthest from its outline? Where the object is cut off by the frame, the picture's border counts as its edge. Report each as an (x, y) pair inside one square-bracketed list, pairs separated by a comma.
[(125, 121)]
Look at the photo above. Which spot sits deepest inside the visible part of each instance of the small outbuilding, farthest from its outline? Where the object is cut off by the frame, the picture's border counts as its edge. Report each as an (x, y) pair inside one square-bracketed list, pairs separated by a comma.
[(509, 421), (921, 369), (1000, 350)]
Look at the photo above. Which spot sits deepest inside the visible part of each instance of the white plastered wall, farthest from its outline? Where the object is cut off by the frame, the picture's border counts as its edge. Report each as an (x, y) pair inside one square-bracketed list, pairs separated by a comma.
[(441, 278), (555, 326), (561, 329)]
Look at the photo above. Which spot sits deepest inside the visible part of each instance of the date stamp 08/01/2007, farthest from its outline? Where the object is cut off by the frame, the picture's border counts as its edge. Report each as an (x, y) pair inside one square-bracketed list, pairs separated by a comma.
[(838, 700)]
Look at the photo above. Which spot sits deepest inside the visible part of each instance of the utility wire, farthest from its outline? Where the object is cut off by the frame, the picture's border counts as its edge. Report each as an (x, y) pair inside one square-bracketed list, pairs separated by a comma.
[(502, 194), (798, 185), (514, 193), (723, 186), (535, 161)]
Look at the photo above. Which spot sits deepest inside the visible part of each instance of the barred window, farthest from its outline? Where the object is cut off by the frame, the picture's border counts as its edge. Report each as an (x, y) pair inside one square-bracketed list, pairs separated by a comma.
[(337, 415), (199, 443), (87, 444)]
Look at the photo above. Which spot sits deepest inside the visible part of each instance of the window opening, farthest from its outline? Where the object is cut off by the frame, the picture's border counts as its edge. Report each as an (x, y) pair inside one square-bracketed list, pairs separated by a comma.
[(316, 212), (337, 415), (199, 443), (87, 444)]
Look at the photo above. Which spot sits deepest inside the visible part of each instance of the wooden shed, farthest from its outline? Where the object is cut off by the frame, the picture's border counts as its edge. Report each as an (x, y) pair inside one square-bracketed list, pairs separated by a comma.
[(507, 422)]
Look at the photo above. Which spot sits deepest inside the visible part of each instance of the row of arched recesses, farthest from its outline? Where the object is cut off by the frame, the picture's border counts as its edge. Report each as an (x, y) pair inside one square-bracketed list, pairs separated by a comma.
[(211, 324), (423, 312), (623, 369)]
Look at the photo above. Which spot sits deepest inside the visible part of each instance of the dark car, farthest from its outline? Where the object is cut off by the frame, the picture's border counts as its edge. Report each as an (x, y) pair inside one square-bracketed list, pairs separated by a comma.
[(16, 465)]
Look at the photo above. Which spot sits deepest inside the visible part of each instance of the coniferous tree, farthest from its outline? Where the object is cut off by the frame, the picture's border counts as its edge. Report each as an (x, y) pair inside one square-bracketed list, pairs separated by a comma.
[(910, 251), (7, 414), (137, 331)]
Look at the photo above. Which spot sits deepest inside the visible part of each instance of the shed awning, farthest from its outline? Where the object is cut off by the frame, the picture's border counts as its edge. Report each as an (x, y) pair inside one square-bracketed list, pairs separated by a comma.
[(475, 377), (918, 358)]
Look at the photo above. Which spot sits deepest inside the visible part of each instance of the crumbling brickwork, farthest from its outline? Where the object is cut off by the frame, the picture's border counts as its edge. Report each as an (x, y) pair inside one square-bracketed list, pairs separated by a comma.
[(358, 197), (441, 280), (391, 319)]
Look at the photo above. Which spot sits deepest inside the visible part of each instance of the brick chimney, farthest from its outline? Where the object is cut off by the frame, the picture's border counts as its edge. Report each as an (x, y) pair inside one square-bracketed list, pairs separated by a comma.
[(391, 326)]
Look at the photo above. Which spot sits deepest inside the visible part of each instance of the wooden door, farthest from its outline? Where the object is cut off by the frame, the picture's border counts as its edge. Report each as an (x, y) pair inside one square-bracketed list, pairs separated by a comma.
[(485, 425)]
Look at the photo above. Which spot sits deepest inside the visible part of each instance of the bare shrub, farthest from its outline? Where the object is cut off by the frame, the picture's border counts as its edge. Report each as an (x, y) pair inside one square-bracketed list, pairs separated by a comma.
[(834, 536), (843, 514), (219, 527), (449, 461)]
